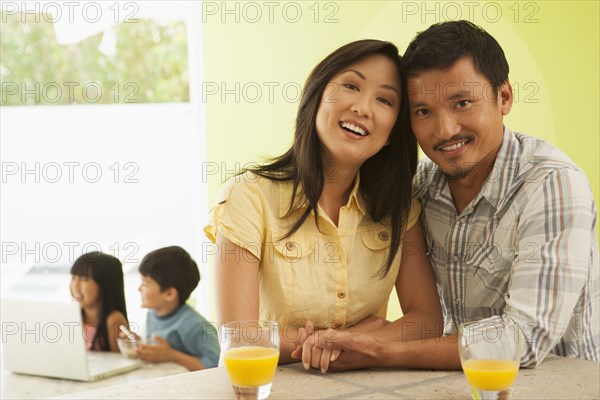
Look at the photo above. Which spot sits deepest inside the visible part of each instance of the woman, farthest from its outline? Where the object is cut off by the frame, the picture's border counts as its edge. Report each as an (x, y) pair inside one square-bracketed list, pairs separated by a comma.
[(316, 235)]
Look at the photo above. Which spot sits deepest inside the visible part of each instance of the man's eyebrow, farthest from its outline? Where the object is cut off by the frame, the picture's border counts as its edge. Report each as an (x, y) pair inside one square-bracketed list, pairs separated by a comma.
[(416, 104), (455, 96), (459, 94), (361, 76)]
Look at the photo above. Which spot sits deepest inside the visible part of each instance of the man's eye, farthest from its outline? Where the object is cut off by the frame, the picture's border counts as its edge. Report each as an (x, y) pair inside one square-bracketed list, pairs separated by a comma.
[(463, 103), (422, 112)]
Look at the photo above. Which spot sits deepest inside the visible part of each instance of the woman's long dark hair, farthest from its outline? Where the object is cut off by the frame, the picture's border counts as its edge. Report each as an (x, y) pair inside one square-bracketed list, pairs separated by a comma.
[(385, 178), (107, 271)]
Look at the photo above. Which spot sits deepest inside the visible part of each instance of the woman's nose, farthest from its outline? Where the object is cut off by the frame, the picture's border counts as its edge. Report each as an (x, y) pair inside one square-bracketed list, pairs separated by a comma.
[(362, 107)]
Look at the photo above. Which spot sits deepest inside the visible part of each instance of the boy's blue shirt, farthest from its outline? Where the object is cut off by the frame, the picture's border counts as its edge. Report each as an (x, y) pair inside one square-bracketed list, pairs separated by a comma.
[(186, 331)]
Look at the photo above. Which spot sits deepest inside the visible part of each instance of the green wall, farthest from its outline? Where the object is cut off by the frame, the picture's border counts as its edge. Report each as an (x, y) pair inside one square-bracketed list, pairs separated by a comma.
[(552, 48)]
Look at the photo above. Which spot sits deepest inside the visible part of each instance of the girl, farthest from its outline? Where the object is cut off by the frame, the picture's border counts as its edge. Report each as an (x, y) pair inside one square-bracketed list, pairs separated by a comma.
[(318, 234), (97, 284)]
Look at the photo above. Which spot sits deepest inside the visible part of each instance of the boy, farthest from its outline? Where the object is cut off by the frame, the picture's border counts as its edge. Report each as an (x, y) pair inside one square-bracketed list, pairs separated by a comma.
[(181, 335)]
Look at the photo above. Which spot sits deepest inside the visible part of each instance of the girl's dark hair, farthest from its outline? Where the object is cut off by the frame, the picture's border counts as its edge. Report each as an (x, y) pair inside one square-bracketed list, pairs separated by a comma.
[(385, 178), (107, 272)]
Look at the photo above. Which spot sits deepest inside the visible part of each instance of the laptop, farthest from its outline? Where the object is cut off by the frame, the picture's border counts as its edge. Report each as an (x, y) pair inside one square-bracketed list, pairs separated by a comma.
[(46, 339)]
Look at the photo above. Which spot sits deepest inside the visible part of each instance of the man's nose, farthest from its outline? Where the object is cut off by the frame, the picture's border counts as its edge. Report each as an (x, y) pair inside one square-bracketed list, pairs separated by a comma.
[(447, 126)]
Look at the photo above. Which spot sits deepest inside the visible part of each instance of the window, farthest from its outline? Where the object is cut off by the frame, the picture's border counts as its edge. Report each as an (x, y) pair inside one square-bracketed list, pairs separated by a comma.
[(102, 144)]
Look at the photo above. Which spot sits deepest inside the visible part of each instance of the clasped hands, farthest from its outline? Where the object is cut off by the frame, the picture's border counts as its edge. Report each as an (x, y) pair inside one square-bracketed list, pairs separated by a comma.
[(338, 350)]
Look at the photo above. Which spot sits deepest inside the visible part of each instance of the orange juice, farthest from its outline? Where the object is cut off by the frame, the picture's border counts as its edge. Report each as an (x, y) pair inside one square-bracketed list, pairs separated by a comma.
[(493, 375), (251, 366)]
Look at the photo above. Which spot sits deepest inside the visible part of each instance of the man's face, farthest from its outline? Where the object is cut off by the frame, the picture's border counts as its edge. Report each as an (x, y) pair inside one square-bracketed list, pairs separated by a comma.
[(457, 119)]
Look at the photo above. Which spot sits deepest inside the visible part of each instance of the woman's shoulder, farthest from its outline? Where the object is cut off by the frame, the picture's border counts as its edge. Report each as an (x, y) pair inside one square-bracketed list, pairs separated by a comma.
[(249, 183)]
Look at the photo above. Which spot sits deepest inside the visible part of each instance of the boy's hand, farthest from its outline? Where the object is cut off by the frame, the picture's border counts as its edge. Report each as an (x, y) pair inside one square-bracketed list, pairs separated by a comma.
[(159, 352)]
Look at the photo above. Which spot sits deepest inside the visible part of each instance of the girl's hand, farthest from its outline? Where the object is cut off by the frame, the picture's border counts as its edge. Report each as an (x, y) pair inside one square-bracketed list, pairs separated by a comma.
[(125, 333), (159, 352)]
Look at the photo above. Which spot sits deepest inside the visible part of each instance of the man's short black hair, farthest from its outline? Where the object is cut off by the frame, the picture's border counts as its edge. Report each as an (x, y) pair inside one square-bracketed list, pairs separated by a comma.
[(442, 44), (172, 267)]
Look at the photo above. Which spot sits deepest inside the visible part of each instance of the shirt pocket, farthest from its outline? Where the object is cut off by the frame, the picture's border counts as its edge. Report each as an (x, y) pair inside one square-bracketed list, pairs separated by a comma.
[(376, 239), (493, 259), (491, 272), (294, 248), (288, 279), (377, 245)]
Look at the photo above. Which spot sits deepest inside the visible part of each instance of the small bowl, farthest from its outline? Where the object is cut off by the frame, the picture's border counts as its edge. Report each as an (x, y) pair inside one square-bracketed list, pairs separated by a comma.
[(127, 347)]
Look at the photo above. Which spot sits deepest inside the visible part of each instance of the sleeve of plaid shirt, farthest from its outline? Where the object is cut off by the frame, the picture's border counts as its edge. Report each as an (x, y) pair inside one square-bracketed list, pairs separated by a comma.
[(553, 275)]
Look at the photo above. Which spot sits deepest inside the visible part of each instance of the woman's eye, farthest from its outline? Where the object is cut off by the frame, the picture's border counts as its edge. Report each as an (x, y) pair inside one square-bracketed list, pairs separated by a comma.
[(422, 112), (350, 86), (385, 101)]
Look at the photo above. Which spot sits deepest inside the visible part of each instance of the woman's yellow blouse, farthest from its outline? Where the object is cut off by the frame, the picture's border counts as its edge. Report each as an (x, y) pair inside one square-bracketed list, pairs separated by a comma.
[(328, 277)]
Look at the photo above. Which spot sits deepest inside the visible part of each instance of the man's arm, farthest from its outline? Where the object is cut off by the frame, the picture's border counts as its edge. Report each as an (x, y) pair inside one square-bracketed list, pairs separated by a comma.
[(364, 350), (553, 261)]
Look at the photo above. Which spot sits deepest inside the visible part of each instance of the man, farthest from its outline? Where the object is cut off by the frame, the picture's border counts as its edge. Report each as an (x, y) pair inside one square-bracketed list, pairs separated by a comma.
[(509, 219)]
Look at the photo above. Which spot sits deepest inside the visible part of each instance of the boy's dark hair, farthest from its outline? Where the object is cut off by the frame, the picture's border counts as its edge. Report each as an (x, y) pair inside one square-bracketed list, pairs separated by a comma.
[(172, 267), (442, 44)]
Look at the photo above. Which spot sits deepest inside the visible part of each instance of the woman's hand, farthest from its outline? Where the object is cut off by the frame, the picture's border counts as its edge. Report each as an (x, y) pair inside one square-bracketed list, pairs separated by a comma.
[(312, 355)]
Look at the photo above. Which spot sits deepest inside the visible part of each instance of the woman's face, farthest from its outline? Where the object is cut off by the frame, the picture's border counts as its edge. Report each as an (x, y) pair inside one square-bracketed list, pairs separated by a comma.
[(84, 290), (357, 112)]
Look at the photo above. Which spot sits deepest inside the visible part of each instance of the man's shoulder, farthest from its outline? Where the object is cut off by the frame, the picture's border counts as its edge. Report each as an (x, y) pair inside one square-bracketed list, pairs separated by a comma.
[(541, 163), (542, 154)]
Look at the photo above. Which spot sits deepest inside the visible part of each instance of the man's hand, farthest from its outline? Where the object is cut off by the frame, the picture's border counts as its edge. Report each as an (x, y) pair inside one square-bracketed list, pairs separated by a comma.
[(358, 350), (159, 352)]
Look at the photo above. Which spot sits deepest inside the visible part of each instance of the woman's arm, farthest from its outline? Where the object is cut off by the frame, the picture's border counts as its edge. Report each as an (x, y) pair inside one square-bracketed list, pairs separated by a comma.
[(236, 280), (417, 293)]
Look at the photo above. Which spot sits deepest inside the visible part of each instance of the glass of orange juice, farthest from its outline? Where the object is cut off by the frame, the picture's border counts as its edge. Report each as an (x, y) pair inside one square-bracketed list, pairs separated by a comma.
[(490, 354), (251, 352)]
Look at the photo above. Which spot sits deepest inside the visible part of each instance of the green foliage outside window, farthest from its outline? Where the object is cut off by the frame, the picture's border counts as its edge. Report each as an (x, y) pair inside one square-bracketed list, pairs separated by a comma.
[(149, 65)]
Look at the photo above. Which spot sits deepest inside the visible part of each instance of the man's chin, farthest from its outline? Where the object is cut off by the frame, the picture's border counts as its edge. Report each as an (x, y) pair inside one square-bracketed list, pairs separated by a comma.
[(454, 173)]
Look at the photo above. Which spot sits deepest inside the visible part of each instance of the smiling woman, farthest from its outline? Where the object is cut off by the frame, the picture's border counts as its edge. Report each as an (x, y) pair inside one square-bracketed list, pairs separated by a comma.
[(317, 235)]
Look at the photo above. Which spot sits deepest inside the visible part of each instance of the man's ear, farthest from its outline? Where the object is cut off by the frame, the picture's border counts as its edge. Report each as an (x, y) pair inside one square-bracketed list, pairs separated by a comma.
[(505, 97)]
